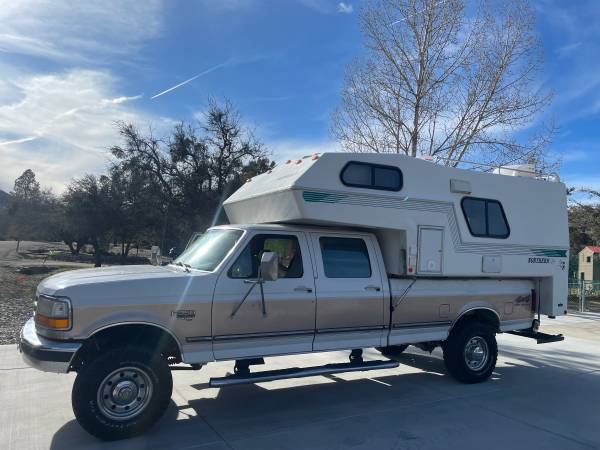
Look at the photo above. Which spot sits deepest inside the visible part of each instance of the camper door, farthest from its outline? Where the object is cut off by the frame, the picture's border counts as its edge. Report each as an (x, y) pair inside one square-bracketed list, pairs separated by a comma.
[(430, 254)]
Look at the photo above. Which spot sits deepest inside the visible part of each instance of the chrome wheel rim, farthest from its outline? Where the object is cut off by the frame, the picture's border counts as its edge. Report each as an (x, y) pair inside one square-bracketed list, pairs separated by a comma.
[(124, 393), (476, 353)]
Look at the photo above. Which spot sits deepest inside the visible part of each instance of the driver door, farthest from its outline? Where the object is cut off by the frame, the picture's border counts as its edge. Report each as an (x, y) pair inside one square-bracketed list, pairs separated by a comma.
[(289, 322)]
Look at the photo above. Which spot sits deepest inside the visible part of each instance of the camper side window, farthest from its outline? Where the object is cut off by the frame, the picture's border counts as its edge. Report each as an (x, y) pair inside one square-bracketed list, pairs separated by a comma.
[(485, 217), (345, 257), (372, 176)]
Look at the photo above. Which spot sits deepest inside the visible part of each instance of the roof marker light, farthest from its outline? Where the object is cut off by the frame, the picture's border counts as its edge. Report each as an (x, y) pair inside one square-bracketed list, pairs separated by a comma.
[(299, 161), (288, 161), (315, 156)]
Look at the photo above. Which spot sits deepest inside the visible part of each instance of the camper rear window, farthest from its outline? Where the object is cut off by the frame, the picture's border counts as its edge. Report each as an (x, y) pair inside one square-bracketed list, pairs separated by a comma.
[(372, 176), (485, 217)]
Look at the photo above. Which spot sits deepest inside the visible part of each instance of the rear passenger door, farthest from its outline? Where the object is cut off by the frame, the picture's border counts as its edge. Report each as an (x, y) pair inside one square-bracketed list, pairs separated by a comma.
[(350, 301)]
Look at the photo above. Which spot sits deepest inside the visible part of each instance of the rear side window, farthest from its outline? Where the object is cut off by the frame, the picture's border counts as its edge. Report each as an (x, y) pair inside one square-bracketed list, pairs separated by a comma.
[(345, 257), (372, 176), (485, 217)]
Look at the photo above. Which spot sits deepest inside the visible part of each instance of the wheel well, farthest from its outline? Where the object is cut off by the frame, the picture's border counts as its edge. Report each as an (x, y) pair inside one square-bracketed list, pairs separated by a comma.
[(149, 336), (482, 315)]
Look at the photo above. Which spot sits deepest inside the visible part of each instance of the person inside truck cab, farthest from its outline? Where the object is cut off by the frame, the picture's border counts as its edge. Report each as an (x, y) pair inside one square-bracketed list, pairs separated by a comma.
[(287, 247)]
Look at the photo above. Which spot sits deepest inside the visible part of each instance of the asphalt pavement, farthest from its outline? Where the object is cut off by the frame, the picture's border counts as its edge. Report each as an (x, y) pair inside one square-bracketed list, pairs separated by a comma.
[(540, 397)]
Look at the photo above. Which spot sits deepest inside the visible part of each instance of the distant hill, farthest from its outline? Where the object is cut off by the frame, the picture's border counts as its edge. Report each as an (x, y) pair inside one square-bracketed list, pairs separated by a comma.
[(4, 197)]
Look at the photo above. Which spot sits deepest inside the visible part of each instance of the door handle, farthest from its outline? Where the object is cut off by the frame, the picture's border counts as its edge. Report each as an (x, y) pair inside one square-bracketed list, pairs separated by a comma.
[(372, 288), (302, 289)]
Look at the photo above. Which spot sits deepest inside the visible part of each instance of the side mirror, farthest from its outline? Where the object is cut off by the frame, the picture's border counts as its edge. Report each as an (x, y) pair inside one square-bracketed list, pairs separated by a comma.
[(269, 266)]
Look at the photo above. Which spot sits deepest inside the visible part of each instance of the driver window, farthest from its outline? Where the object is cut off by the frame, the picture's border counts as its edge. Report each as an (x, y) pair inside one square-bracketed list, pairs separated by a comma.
[(286, 246)]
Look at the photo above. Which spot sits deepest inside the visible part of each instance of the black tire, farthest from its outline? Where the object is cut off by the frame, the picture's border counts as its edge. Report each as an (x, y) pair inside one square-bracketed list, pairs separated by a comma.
[(468, 342), (136, 365), (392, 350)]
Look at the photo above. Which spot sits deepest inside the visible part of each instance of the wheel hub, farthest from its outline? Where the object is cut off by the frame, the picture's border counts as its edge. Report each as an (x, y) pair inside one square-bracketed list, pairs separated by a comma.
[(124, 393), (476, 353)]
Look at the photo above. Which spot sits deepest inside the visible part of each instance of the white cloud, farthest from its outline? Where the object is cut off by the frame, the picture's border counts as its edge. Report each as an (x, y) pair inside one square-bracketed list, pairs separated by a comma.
[(62, 125), (582, 182), (345, 8), (328, 6), (76, 31)]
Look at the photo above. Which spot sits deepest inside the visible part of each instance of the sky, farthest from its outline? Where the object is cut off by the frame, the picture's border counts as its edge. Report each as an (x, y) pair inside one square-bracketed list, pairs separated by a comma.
[(70, 70)]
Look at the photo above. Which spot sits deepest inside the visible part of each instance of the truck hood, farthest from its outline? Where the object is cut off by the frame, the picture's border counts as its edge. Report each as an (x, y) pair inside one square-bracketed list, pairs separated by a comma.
[(57, 284)]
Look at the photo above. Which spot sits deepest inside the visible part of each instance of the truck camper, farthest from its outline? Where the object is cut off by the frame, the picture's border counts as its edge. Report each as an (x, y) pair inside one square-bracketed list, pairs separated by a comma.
[(333, 251)]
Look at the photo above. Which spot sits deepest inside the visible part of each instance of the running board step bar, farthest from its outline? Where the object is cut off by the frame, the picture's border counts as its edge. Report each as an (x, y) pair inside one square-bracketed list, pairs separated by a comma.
[(299, 372), (541, 338)]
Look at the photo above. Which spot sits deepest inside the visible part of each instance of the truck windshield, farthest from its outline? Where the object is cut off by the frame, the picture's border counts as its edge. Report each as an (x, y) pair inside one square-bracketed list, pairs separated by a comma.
[(207, 252)]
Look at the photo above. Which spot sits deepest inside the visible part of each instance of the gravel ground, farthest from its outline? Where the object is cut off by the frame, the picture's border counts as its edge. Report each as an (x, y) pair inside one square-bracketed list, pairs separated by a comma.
[(17, 289), (16, 301)]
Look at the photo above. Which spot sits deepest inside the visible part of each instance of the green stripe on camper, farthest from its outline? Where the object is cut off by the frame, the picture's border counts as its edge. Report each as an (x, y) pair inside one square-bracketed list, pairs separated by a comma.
[(322, 197), (432, 206), (549, 253)]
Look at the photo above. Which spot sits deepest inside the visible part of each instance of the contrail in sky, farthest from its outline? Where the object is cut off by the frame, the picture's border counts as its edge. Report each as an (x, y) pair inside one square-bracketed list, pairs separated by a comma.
[(189, 80), (19, 141)]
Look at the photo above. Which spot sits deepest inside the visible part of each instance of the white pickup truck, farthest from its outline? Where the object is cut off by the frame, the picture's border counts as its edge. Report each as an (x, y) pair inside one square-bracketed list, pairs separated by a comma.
[(288, 285)]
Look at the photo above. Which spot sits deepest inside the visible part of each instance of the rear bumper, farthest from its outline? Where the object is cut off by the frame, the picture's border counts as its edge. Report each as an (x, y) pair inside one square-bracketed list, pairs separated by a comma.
[(45, 354)]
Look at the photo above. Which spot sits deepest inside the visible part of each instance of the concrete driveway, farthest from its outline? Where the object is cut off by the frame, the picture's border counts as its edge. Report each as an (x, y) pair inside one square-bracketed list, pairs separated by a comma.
[(540, 397)]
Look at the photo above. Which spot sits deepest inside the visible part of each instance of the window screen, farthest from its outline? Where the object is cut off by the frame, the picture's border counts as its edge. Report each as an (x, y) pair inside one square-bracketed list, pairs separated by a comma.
[(345, 257), (287, 247), (485, 218), (372, 176)]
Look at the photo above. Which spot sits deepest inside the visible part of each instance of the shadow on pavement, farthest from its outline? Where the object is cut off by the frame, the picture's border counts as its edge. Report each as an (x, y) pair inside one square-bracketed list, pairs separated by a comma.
[(238, 412)]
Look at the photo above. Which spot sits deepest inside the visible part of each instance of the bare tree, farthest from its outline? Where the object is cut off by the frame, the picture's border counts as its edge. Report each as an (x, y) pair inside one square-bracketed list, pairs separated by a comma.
[(443, 80)]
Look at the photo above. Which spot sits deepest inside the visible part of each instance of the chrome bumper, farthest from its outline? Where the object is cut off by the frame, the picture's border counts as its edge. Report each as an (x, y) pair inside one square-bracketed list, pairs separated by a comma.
[(45, 354)]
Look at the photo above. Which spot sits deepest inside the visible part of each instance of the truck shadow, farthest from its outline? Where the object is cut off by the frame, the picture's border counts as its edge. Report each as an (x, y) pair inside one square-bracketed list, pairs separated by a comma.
[(238, 412)]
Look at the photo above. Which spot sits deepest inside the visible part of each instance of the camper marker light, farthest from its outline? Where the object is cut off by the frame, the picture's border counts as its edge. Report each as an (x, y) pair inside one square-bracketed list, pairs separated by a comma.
[(288, 161), (315, 156), (299, 161)]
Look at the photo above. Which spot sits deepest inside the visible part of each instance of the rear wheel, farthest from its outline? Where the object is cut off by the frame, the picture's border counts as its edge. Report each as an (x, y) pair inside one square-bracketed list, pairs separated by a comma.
[(470, 352), (122, 392), (393, 350)]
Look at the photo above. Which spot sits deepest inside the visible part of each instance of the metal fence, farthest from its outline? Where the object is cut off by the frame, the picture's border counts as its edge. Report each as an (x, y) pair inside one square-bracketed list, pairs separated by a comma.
[(584, 296)]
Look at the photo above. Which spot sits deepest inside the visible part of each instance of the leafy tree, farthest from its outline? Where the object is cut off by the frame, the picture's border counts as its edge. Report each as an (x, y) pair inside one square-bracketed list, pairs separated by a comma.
[(89, 211), (191, 172), (27, 209), (27, 187), (156, 189)]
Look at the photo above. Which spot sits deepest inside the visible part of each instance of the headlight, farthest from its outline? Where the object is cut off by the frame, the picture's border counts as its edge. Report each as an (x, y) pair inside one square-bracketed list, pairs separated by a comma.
[(53, 313)]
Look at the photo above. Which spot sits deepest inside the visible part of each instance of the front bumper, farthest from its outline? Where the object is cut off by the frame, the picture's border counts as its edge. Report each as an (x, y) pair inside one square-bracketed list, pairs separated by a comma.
[(45, 354)]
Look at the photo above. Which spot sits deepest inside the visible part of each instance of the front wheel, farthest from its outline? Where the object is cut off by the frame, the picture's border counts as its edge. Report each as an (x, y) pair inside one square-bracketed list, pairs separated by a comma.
[(470, 352), (122, 392)]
